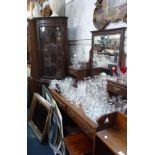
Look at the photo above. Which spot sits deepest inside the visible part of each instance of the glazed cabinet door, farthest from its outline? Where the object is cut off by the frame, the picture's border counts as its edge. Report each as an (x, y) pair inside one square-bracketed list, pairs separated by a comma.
[(51, 53)]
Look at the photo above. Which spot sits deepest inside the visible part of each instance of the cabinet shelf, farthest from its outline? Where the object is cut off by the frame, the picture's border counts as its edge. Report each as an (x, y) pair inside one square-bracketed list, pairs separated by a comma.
[(48, 52)]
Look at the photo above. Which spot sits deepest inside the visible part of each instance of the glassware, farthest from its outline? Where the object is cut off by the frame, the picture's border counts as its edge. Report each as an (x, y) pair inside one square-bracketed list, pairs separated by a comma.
[(91, 96), (122, 72)]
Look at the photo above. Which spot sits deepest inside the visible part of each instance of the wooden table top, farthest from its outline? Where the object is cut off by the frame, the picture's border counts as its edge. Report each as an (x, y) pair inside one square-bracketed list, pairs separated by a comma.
[(76, 114), (76, 110)]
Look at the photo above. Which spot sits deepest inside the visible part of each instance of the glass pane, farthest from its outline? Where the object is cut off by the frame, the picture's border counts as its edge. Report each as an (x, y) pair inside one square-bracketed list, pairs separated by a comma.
[(106, 50)]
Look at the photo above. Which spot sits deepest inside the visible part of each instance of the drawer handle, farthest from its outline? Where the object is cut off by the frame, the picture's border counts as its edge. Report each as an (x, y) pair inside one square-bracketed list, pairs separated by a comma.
[(116, 89)]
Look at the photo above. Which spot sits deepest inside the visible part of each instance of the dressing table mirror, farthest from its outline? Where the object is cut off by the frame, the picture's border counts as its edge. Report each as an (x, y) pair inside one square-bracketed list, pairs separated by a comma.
[(107, 49)]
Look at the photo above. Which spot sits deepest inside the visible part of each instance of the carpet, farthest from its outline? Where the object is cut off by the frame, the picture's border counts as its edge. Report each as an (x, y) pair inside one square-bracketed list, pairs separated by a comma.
[(34, 147)]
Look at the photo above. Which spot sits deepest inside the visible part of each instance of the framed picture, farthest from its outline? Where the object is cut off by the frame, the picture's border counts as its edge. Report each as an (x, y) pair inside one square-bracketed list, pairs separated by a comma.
[(40, 116)]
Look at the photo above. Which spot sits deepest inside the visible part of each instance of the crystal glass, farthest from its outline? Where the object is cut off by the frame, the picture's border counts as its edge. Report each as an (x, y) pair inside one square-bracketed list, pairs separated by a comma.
[(91, 96)]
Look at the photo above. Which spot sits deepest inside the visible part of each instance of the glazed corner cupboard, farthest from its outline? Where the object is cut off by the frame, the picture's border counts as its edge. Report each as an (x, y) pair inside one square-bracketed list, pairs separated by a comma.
[(48, 42)]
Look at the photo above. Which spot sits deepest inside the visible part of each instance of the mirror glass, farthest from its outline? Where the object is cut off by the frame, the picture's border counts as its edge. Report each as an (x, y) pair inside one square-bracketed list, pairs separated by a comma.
[(107, 47)]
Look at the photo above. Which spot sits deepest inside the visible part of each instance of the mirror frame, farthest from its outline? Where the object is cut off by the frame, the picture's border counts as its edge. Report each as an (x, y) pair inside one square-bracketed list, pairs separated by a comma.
[(121, 31)]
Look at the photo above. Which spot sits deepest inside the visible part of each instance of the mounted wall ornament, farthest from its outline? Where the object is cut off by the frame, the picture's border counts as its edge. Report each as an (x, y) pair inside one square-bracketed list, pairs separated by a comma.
[(107, 11)]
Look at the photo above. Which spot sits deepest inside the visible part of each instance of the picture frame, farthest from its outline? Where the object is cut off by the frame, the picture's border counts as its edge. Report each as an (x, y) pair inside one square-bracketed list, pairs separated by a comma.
[(107, 48), (55, 137), (39, 117)]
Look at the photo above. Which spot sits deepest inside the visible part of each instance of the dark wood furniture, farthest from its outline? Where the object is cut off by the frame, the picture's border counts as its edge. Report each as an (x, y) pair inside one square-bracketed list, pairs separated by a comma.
[(107, 48), (81, 73), (81, 143), (91, 128), (117, 88), (78, 144), (112, 140), (88, 126), (28, 45), (48, 42)]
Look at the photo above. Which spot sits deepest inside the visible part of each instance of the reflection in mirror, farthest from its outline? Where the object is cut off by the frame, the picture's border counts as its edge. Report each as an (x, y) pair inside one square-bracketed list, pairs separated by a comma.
[(107, 48)]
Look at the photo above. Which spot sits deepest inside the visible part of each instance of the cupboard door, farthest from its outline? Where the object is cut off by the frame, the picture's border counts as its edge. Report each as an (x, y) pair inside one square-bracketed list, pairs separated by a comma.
[(51, 52)]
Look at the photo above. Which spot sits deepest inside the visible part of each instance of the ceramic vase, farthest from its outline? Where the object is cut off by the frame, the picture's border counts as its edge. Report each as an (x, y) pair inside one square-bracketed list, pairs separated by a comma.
[(36, 10)]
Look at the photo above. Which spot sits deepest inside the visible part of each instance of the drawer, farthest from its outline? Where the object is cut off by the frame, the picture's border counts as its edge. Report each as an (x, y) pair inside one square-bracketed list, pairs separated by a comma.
[(85, 127), (81, 123), (117, 89)]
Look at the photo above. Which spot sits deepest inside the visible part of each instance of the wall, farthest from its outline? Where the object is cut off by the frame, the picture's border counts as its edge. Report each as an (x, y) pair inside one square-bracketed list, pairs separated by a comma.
[(80, 25)]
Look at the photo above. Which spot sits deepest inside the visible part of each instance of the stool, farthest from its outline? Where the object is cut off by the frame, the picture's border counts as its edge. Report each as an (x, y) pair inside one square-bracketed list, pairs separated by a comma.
[(78, 144)]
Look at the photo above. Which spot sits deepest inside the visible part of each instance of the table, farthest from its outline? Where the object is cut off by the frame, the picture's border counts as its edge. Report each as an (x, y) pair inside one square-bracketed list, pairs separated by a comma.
[(77, 115), (97, 131)]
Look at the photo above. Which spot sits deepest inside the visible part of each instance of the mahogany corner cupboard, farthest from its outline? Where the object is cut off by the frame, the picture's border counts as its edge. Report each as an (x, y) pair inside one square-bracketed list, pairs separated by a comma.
[(48, 42)]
